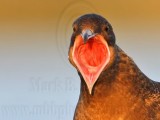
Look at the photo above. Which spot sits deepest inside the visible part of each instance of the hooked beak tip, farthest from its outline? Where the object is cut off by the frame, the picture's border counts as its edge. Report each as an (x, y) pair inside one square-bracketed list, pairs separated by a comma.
[(87, 34)]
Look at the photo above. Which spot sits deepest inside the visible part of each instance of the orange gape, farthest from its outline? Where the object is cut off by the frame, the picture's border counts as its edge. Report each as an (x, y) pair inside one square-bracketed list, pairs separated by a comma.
[(91, 53), (91, 57)]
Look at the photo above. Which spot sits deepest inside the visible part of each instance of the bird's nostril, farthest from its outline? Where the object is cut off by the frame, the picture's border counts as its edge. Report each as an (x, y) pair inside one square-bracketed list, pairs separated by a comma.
[(87, 31), (87, 34)]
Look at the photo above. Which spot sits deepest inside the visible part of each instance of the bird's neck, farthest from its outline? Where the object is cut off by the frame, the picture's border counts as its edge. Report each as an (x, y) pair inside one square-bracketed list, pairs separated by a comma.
[(117, 92), (119, 77)]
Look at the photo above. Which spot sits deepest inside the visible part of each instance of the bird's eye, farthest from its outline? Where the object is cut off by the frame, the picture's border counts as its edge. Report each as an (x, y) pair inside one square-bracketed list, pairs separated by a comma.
[(107, 28), (74, 29)]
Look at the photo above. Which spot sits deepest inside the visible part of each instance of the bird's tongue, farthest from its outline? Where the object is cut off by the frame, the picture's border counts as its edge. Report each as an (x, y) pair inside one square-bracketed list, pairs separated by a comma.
[(91, 58)]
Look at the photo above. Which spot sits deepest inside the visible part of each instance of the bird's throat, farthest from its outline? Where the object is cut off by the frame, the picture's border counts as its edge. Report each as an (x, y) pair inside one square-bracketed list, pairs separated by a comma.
[(91, 58)]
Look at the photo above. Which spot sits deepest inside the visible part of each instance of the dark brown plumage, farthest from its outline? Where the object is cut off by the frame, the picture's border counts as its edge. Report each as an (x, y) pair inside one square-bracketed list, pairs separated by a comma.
[(113, 90)]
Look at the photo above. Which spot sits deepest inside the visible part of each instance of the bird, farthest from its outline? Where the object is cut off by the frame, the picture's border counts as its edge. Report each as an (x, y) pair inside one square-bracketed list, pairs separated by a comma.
[(112, 85)]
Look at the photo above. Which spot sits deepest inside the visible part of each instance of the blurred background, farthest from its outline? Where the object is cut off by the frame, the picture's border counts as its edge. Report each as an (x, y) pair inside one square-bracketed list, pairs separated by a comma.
[(36, 80)]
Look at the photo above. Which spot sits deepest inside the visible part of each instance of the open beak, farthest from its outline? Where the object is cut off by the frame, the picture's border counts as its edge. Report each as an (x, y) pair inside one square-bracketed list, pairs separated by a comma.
[(87, 34), (90, 54)]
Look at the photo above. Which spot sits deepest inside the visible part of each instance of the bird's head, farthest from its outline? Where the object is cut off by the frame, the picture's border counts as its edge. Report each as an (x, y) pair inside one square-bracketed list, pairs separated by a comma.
[(92, 47)]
